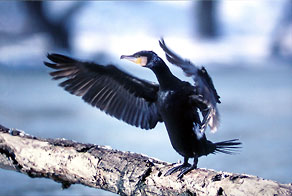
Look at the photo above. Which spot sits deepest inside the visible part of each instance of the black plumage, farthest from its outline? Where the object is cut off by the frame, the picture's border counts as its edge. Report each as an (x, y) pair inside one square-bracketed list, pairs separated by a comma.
[(111, 90), (143, 104)]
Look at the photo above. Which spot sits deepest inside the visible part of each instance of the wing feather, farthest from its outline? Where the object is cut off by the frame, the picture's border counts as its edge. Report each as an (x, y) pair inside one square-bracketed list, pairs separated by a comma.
[(205, 92), (113, 91)]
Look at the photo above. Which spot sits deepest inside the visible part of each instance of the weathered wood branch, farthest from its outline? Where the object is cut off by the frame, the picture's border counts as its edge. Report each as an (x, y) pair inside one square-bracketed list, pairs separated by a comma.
[(125, 173)]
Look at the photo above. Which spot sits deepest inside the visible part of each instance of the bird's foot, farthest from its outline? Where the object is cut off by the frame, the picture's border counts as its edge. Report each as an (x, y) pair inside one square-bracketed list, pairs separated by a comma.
[(177, 168), (184, 168)]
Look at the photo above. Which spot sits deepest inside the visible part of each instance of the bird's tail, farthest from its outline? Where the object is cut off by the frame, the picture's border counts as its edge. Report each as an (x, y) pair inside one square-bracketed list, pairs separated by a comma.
[(227, 147)]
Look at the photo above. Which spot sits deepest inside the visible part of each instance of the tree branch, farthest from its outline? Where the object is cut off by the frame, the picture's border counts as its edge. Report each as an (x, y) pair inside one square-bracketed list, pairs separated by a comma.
[(125, 173)]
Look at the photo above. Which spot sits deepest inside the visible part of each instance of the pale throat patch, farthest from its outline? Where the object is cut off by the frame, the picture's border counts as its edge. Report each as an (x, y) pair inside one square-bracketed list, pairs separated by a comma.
[(142, 60)]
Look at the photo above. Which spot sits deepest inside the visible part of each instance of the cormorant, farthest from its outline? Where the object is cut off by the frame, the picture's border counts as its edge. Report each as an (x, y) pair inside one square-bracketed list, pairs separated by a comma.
[(143, 104)]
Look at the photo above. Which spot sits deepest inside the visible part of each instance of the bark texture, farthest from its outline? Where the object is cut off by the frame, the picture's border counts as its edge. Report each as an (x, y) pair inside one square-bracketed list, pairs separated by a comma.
[(125, 173)]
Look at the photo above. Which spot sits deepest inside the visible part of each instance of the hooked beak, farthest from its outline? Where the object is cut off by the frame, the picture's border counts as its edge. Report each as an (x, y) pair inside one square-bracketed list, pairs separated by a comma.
[(128, 57), (142, 60)]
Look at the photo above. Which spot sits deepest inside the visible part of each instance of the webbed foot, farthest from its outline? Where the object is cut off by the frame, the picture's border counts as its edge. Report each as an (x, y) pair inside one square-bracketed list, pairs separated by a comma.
[(183, 168)]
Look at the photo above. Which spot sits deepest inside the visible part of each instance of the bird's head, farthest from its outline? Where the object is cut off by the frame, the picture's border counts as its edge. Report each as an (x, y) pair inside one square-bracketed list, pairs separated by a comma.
[(147, 59)]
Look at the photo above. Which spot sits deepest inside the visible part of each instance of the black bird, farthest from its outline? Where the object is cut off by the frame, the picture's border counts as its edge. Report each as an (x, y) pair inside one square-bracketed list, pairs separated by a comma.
[(143, 104)]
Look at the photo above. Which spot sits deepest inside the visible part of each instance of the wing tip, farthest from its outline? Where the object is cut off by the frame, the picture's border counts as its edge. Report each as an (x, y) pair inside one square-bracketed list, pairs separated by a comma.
[(59, 58), (161, 42), (50, 65)]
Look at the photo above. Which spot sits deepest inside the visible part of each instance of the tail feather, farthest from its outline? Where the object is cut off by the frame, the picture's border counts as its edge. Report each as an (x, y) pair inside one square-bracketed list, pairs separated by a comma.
[(227, 147)]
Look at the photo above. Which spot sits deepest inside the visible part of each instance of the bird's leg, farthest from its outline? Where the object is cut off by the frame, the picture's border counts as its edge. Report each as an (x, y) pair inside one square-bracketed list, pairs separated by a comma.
[(189, 168), (179, 168)]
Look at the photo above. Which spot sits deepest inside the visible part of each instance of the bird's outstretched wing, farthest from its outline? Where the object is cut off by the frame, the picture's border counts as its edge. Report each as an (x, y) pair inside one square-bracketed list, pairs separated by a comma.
[(205, 90), (108, 88)]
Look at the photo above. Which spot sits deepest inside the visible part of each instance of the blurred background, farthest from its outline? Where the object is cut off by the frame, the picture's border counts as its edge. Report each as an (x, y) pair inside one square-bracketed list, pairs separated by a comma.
[(246, 46)]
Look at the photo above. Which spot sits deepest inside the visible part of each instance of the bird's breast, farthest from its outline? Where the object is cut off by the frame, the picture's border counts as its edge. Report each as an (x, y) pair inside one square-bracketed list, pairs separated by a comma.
[(173, 101), (165, 100), (177, 114)]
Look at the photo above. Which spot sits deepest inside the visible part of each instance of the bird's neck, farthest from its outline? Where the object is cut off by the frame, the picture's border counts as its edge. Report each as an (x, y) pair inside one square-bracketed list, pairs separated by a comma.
[(164, 76)]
